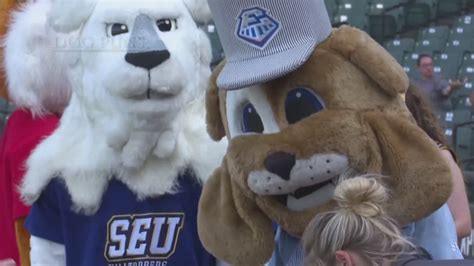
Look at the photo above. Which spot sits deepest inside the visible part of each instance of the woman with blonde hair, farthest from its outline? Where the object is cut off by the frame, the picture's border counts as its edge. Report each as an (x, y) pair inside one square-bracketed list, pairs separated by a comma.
[(357, 232)]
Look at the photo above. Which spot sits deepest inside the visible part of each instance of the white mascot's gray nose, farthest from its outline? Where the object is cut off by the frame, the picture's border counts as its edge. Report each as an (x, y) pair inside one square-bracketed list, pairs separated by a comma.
[(145, 48)]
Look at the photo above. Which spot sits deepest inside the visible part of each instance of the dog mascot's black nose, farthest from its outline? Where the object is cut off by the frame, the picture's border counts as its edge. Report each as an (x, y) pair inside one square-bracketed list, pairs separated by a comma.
[(280, 163), (145, 48)]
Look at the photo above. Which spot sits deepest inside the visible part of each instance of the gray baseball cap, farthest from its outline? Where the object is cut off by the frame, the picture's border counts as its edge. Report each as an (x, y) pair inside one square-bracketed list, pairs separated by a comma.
[(267, 39)]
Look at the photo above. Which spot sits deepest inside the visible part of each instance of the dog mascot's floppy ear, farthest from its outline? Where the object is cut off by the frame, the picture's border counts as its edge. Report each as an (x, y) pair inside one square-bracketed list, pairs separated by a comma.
[(360, 49), (68, 15), (241, 222), (396, 138), (215, 124), (406, 153)]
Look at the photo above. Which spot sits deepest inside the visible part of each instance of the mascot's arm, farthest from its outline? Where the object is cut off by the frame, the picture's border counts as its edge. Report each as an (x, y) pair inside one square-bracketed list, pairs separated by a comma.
[(44, 224), (46, 253), (23, 242)]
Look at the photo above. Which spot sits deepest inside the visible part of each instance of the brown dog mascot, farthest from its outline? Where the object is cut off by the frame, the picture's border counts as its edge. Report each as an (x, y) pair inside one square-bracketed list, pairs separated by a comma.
[(340, 113)]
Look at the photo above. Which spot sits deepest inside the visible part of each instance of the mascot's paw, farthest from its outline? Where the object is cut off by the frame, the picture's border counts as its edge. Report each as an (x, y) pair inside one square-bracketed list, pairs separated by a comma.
[(29, 196), (86, 201), (166, 145), (34, 182)]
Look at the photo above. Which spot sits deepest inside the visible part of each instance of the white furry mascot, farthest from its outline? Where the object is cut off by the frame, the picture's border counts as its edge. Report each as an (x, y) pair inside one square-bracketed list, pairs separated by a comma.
[(119, 180)]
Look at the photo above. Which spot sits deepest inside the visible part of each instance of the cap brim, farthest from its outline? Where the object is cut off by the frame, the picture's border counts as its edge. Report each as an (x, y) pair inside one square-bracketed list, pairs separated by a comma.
[(240, 74)]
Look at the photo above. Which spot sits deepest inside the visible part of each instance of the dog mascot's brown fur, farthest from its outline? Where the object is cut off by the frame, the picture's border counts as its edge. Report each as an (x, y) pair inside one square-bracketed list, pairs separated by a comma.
[(364, 120)]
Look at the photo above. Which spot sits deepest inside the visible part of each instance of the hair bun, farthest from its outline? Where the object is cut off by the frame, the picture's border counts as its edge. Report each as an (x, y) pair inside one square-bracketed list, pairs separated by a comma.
[(362, 195)]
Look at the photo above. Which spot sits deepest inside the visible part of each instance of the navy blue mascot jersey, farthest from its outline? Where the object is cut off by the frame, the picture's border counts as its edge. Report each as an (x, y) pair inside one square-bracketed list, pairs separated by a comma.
[(158, 231)]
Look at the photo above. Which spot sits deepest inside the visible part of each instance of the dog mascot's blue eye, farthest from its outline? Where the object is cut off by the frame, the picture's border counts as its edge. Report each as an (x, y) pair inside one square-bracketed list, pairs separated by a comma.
[(117, 29), (301, 103), (251, 121)]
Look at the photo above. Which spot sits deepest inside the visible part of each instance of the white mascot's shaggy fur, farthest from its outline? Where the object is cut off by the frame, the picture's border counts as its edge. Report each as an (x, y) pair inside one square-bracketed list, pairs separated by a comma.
[(29, 43), (139, 70)]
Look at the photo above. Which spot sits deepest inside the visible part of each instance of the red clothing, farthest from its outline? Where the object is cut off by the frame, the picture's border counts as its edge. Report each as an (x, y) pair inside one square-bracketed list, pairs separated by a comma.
[(21, 135)]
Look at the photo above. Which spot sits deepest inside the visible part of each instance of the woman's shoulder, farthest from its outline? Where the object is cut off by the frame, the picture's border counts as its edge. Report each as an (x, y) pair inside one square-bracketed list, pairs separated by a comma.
[(447, 152)]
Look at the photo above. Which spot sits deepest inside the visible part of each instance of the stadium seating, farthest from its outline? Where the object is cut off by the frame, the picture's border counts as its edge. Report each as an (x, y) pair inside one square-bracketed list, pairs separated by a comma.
[(217, 50), (417, 13), (354, 4), (459, 40), (399, 47), (451, 121), (466, 71), (447, 64), (469, 3), (404, 45), (384, 4), (354, 14), (446, 119), (464, 142), (468, 59), (383, 24), (461, 116), (460, 98), (331, 7), (449, 7), (455, 58), (5, 109), (466, 22), (439, 32), (432, 5), (430, 46)]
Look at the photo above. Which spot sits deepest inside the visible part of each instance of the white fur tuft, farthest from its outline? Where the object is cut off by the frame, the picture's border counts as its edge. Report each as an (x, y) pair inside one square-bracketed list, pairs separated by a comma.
[(199, 9), (69, 15), (35, 70)]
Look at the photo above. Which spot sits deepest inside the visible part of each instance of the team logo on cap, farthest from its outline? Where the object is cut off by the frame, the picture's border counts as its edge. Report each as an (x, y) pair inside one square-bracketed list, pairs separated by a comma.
[(256, 27)]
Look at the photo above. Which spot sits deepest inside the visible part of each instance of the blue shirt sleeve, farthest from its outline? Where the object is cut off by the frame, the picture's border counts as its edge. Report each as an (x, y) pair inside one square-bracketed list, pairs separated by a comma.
[(44, 220)]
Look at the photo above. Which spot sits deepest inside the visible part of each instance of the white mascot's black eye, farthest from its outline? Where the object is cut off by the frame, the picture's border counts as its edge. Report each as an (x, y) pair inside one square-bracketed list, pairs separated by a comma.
[(117, 29), (165, 25)]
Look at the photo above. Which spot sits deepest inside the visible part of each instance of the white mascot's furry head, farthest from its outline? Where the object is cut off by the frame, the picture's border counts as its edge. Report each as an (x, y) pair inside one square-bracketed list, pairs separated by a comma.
[(139, 70), (35, 73)]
